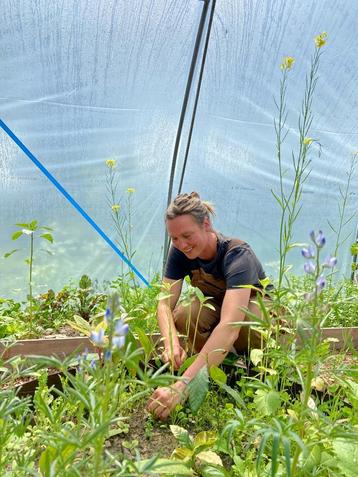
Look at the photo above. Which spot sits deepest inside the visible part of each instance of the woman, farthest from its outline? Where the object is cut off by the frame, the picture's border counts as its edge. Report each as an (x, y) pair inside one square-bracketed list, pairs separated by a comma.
[(219, 266)]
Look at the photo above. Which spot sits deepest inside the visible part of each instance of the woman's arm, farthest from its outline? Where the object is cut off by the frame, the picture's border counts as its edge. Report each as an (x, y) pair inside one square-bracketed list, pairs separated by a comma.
[(172, 349), (164, 400), (224, 334)]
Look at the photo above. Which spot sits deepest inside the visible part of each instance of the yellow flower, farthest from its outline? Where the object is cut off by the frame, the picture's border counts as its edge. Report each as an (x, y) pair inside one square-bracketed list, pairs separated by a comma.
[(116, 207), (320, 40), (307, 141), (287, 63), (111, 163), (130, 190)]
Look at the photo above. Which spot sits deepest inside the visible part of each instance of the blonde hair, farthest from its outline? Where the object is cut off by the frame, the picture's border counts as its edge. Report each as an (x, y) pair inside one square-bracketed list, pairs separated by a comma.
[(190, 204)]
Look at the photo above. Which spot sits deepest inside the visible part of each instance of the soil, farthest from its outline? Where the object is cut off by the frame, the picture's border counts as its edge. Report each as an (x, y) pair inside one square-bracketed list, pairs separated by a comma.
[(158, 441), (65, 331)]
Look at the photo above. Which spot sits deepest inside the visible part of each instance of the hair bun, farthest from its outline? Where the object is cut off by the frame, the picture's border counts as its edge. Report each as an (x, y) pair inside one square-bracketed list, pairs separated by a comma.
[(194, 194)]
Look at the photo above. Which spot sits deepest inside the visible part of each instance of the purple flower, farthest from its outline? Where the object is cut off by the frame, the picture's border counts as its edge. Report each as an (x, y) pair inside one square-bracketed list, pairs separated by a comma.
[(98, 337), (107, 355), (318, 239), (108, 315), (309, 267), (330, 262), (92, 364), (121, 328), (118, 341), (320, 283), (308, 252)]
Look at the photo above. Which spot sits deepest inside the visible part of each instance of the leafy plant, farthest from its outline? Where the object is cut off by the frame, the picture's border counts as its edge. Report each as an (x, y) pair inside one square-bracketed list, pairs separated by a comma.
[(31, 230)]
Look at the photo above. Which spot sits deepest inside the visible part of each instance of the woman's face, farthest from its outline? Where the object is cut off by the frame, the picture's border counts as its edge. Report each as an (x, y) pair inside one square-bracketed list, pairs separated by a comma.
[(190, 237)]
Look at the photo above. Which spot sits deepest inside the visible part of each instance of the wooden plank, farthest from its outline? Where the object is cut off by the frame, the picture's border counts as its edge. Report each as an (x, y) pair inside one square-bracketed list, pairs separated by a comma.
[(59, 347), (62, 347), (346, 337)]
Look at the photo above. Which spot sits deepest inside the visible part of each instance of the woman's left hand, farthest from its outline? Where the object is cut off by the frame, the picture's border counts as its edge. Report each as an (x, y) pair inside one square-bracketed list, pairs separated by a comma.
[(164, 400)]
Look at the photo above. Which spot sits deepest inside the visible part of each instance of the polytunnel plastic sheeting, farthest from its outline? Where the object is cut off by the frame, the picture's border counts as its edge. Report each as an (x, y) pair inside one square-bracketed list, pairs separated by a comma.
[(84, 81)]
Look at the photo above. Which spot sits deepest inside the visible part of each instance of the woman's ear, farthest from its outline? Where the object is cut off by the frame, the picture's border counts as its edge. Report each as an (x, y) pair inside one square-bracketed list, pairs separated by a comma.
[(207, 225)]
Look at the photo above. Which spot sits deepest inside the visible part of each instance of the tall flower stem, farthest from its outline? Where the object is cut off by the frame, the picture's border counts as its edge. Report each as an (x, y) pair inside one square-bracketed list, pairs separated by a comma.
[(289, 201)]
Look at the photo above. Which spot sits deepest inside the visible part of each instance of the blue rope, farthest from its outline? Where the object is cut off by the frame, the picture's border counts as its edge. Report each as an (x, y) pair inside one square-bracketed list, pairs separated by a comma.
[(71, 200)]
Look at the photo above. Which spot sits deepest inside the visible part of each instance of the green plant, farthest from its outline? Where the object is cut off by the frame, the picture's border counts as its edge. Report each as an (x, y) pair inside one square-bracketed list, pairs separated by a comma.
[(289, 200), (31, 230), (121, 213)]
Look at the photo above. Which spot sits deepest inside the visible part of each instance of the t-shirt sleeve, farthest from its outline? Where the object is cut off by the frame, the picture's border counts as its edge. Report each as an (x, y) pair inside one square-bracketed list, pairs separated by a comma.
[(175, 268), (241, 267)]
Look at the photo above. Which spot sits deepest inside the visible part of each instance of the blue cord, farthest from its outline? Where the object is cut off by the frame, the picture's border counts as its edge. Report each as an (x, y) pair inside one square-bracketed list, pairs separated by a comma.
[(71, 200)]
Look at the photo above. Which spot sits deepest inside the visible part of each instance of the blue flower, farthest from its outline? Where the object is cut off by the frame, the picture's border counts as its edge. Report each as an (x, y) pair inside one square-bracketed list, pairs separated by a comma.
[(98, 337), (308, 252), (330, 262), (108, 315), (121, 328), (320, 283), (107, 355), (92, 364), (118, 341), (309, 267), (318, 239)]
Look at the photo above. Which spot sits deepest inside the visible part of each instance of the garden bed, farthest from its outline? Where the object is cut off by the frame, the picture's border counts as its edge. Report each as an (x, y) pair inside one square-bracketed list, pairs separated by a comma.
[(62, 347)]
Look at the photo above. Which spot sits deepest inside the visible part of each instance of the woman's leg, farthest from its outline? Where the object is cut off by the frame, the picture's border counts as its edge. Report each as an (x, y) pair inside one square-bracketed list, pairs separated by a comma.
[(196, 326), (249, 338)]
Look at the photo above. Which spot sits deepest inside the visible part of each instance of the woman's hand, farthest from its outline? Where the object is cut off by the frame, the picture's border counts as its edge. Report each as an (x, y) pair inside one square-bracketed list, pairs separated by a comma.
[(174, 355), (164, 399)]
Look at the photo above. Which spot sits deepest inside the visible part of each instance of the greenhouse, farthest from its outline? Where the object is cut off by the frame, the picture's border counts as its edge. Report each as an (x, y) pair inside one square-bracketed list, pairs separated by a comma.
[(179, 238)]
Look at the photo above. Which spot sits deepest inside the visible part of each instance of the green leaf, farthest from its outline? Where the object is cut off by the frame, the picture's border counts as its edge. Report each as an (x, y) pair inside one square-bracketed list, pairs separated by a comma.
[(47, 237), (182, 453), (205, 439), (145, 342), (256, 356), (267, 402), (33, 225), (81, 325), (47, 462), (7, 254), (233, 393), (213, 471), (218, 375), (188, 362), (347, 455), (198, 388), (16, 235), (182, 436), (162, 467), (209, 457), (274, 453), (26, 226)]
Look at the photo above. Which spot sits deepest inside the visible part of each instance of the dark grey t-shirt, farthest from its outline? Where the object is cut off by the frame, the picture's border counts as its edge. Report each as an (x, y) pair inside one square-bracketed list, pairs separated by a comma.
[(235, 264)]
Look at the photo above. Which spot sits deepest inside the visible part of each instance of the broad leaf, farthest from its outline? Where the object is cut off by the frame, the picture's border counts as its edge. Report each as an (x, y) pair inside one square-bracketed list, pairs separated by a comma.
[(205, 438), (256, 356), (182, 453), (267, 402), (347, 456), (16, 235), (198, 388), (218, 375), (182, 435), (209, 457), (211, 471), (47, 237)]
